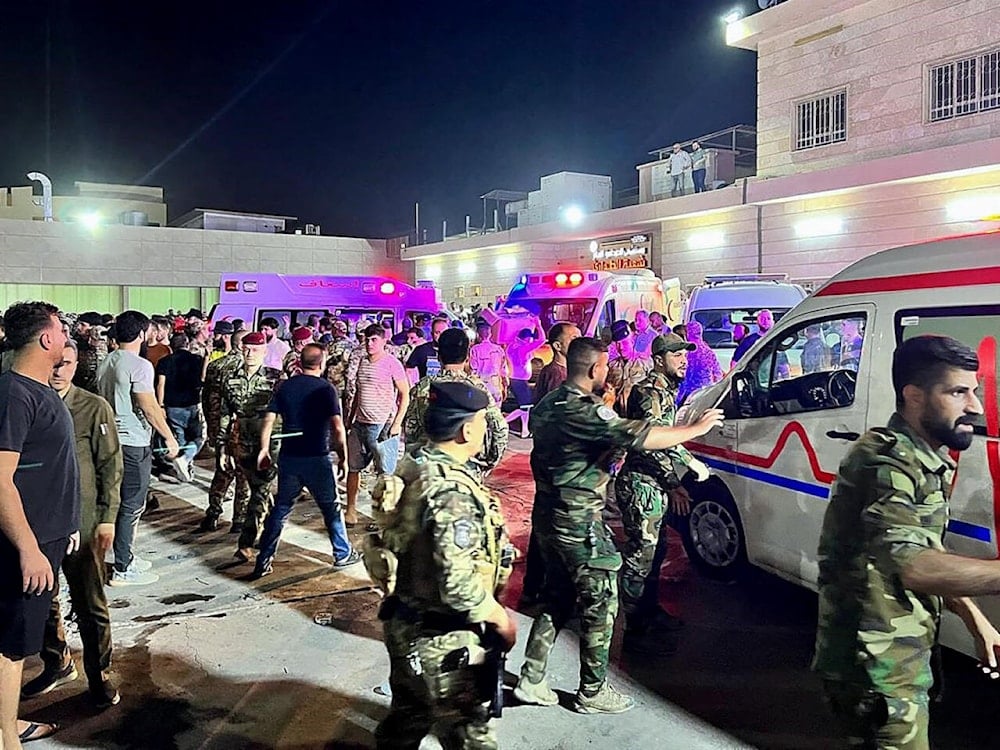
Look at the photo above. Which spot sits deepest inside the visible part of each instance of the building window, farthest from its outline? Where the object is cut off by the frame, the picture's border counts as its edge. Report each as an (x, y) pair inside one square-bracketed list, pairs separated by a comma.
[(821, 121), (965, 86)]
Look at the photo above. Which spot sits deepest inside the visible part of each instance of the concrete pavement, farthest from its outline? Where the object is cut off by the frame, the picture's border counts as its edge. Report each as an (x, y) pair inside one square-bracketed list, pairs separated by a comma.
[(207, 659)]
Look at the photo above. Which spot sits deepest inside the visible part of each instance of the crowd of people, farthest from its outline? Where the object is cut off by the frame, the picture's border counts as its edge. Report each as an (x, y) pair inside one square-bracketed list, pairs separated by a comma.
[(92, 407)]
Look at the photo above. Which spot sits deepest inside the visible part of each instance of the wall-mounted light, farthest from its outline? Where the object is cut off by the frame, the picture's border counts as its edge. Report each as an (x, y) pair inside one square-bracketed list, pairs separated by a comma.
[(573, 215), (975, 208), (467, 267), (706, 239), (432, 272), (822, 226), (91, 220), (733, 16), (506, 263)]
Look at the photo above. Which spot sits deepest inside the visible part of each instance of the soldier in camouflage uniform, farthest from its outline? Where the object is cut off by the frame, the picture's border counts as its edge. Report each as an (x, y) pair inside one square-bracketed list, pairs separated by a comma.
[(291, 365), (225, 469), (882, 564), (453, 352), (447, 535), (575, 434), (246, 392), (338, 353), (642, 489), (92, 348)]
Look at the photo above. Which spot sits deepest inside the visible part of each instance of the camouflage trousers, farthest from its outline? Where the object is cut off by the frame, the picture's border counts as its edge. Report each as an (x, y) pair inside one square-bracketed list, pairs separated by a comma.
[(642, 502), (261, 495), (222, 480), (462, 718), (874, 721), (591, 592)]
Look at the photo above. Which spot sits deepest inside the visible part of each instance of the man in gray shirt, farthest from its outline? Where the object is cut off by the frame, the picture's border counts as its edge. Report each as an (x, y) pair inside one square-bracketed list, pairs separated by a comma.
[(125, 380), (680, 164)]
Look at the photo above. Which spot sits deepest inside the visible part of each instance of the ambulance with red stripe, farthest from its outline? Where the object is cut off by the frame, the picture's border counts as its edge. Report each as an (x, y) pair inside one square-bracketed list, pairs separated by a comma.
[(815, 383)]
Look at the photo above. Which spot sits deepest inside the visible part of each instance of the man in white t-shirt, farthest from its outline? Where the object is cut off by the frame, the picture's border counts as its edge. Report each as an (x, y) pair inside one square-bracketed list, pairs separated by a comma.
[(519, 353), (276, 347), (125, 380), (381, 397), (489, 362), (680, 165)]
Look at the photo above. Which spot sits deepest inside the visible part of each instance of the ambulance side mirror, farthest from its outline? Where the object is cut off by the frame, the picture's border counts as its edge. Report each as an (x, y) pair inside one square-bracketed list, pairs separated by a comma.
[(740, 404)]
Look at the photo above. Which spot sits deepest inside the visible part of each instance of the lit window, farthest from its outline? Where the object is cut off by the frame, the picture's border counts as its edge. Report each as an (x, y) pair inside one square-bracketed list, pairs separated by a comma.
[(821, 121), (964, 87)]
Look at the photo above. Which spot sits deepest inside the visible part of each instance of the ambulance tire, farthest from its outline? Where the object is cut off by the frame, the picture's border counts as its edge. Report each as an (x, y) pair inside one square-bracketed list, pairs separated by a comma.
[(713, 532)]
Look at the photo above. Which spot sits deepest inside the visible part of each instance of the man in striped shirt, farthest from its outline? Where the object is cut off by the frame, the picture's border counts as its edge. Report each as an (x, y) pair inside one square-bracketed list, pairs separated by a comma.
[(381, 397)]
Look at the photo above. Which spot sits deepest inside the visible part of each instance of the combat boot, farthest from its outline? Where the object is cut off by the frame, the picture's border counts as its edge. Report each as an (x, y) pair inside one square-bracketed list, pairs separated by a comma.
[(607, 700), (536, 693)]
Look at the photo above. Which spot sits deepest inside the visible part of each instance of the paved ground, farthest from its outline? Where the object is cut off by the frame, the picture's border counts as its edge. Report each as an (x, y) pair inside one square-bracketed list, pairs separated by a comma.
[(208, 659)]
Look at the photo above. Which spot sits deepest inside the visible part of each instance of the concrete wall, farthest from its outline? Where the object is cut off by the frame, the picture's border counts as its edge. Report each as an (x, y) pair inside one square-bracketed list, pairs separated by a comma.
[(54, 253), (880, 56)]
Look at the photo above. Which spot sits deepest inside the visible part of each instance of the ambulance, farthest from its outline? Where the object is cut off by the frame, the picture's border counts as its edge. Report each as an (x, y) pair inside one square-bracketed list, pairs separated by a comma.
[(292, 299), (592, 300), (815, 383), (722, 301)]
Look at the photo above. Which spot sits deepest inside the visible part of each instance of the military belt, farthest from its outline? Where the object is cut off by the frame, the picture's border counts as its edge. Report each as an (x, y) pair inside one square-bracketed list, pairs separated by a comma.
[(394, 608)]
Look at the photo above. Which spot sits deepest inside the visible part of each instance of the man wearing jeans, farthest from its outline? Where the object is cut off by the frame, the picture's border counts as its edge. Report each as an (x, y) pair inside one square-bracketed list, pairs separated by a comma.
[(178, 390), (680, 165), (309, 405), (381, 397), (125, 380)]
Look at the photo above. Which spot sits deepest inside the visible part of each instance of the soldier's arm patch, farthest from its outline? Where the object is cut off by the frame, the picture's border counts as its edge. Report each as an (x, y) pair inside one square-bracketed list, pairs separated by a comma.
[(462, 531), (606, 413)]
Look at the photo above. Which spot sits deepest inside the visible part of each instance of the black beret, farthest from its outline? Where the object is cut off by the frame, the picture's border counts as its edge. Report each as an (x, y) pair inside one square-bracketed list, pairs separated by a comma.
[(457, 397), (222, 328), (620, 330), (90, 318)]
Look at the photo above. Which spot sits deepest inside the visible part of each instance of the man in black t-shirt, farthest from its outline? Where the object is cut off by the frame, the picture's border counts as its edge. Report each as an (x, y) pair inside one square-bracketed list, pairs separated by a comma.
[(178, 389), (308, 404), (424, 358), (39, 499)]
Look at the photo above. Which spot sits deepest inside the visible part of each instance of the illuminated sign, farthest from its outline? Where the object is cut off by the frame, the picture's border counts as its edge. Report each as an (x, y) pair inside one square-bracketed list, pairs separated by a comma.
[(621, 254)]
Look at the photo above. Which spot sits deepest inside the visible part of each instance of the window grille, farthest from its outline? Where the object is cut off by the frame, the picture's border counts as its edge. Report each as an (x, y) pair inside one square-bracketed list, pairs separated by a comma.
[(821, 120), (965, 86)]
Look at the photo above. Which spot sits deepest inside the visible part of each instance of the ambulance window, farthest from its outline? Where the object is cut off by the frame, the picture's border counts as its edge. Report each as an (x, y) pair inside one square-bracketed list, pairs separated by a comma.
[(603, 331), (810, 367), (977, 327)]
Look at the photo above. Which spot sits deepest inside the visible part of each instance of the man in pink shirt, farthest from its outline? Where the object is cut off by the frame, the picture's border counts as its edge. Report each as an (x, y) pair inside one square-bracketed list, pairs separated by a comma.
[(381, 397)]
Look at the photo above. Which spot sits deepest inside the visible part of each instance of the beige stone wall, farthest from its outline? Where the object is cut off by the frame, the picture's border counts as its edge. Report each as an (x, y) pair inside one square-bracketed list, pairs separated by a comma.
[(35, 252), (880, 57)]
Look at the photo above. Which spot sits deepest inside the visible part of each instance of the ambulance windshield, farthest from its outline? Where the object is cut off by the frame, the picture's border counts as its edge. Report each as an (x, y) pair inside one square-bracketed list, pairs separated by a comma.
[(718, 325), (549, 311)]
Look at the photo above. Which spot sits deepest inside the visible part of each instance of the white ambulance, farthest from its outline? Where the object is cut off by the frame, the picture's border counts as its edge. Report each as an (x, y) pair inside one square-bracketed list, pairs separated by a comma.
[(593, 300), (818, 380)]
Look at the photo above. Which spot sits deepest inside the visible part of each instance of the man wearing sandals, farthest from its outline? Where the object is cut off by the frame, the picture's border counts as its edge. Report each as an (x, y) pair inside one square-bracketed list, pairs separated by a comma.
[(39, 500)]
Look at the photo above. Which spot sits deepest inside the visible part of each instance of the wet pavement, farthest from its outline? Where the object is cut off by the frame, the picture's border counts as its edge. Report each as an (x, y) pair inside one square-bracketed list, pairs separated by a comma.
[(209, 659)]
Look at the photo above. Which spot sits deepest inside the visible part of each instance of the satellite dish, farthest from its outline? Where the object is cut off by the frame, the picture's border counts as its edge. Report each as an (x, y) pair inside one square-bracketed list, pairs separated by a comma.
[(768, 3)]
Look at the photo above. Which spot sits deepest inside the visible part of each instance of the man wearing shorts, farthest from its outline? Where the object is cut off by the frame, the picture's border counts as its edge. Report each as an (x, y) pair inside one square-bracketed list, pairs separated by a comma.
[(381, 397), (39, 499)]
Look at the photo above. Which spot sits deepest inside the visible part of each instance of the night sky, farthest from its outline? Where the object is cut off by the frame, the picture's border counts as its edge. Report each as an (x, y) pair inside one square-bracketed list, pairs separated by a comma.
[(346, 113)]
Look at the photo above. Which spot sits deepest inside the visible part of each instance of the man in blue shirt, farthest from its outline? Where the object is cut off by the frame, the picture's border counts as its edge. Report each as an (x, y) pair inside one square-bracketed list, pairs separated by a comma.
[(309, 405)]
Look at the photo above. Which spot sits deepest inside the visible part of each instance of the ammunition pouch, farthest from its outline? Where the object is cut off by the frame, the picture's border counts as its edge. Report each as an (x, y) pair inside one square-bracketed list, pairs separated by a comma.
[(450, 664), (381, 564)]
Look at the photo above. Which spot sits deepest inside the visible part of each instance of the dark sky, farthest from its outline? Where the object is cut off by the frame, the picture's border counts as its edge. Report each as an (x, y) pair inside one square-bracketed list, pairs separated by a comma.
[(346, 113)]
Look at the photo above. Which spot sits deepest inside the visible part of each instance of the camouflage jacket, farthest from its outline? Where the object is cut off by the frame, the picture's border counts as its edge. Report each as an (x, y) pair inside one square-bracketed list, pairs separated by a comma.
[(888, 504), (211, 391), (653, 399), (497, 431), (291, 365), (244, 403), (449, 537), (338, 353), (575, 434), (91, 351)]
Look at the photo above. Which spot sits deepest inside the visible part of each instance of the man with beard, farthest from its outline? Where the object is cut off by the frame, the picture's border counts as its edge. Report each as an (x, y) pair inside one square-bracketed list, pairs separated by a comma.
[(574, 436), (644, 488), (883, 569)]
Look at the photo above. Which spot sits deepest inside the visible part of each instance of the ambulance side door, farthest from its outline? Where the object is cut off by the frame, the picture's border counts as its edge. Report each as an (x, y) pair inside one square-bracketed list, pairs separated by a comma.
[(801, 400)]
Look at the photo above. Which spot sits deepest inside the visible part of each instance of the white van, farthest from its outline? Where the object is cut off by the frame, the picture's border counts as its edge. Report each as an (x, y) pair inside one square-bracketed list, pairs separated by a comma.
[(593, 300), (725, 300), (817, 381)]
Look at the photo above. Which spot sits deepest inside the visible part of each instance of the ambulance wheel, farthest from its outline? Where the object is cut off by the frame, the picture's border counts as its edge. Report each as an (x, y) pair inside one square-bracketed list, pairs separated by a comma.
[(713, 533)]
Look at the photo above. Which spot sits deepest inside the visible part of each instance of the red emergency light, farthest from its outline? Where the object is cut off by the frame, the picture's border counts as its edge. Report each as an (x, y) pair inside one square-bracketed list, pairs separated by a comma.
[(387, 287), (568, 279), (232, 286)]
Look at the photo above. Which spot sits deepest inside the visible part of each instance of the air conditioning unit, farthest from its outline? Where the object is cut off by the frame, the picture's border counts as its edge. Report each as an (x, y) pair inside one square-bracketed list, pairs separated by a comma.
[(312, 228)]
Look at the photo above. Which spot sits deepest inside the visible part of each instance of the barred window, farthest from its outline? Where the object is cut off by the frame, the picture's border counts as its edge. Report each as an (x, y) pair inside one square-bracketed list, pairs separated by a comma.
[(965, 86), (821, 121)]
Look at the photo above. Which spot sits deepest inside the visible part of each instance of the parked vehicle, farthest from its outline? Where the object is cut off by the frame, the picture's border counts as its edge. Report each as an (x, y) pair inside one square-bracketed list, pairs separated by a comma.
[(819, 380), (725, 300)]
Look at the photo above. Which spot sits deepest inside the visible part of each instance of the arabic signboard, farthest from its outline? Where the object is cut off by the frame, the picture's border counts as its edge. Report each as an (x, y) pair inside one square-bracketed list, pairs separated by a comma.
[(621, 254)]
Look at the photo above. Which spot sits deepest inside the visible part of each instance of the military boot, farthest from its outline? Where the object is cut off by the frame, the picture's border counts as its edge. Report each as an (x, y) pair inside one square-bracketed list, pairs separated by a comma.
[(536, 693), (607, 700)]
